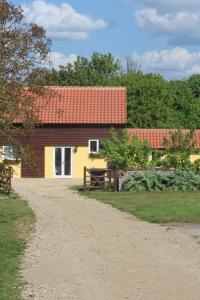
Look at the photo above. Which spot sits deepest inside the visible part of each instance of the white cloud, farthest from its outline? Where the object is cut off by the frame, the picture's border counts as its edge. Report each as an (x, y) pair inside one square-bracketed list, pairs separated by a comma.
[(57, 59), (180, 27), (176, 62), (178, 20), (62, 21), (172, 63), (170, 5)]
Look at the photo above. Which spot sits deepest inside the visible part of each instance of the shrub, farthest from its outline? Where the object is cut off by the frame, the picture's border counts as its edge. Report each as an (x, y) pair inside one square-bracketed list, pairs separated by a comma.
[(156, 159), (178, 149), (6, 173), (196, 166), (124, 152), (180, 180)]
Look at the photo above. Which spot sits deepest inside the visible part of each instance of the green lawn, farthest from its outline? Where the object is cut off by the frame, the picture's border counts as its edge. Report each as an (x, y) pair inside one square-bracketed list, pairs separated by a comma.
[(16, 218), (156, 207)]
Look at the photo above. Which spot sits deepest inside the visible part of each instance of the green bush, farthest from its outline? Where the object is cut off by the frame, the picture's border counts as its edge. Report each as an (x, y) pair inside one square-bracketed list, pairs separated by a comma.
[(124, 152), (180, 180), (196, 165), (178, 148), (6, 173)]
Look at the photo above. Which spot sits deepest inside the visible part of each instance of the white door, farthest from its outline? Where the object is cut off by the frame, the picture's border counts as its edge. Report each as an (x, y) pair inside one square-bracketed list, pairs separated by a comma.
[(63, 162)]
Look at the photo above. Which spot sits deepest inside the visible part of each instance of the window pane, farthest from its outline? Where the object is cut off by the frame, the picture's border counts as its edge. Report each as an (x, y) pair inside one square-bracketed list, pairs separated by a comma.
[(9, 153), (6, 152), (67, 161), (58, 161), (93, 146)]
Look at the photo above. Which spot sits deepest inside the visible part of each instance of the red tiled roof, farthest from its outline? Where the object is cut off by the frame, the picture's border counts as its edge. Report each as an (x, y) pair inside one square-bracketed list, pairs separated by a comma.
[(155, 137), (84, 105)]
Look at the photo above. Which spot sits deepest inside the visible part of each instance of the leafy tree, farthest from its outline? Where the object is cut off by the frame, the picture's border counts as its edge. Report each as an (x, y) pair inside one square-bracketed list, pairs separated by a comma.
[(124, 152), (24, 50), (130, 67), (185, 106), (149, 100), (86, 72), (153, 102), (178, 149), (194, 84)]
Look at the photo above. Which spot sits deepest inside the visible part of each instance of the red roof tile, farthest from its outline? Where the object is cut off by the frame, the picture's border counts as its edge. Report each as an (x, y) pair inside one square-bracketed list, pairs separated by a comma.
[(84, 105), (155, 137)]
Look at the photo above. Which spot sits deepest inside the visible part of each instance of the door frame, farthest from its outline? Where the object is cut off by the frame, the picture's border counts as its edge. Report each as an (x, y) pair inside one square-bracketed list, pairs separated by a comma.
[(54, 165)]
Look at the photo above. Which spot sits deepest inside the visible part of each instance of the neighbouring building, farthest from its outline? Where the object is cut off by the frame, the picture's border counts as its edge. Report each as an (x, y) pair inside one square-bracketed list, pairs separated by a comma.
[(155, 137)]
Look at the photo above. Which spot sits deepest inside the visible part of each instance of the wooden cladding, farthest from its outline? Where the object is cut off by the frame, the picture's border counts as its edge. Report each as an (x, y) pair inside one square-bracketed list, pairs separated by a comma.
[(36, 168), (58, 136)]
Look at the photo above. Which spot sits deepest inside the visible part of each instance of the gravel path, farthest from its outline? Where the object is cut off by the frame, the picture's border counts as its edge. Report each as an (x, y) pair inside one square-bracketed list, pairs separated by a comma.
[(85, 250)]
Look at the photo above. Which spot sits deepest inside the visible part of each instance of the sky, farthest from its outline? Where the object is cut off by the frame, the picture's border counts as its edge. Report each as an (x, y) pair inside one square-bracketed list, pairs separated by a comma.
[(161, 36)]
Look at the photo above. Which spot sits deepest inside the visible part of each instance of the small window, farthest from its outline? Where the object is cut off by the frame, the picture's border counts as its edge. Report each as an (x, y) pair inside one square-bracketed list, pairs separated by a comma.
[(93, 146), (9, 153)]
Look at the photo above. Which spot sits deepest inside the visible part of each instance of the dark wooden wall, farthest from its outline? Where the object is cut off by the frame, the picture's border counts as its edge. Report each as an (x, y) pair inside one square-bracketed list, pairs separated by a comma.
[(59, 136)]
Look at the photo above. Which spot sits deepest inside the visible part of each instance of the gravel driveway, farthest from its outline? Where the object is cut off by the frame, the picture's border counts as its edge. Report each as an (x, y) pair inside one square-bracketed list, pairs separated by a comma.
[(85, 250)]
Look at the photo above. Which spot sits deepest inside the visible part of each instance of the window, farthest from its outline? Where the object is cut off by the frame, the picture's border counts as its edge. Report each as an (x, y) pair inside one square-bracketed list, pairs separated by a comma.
[(93, 146), (9, 153)]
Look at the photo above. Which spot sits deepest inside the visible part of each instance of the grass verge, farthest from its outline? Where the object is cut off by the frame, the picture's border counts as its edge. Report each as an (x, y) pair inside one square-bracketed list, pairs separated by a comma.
[(16, 218), (155, 207)]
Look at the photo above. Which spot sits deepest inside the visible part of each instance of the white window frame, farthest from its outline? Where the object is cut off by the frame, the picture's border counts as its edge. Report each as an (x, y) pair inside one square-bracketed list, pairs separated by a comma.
[(54, 167), (89, 143), (11, 158)]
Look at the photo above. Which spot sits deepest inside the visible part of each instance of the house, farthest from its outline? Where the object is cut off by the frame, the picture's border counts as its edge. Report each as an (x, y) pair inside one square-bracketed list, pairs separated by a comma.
[(155, 137), (72, 126)]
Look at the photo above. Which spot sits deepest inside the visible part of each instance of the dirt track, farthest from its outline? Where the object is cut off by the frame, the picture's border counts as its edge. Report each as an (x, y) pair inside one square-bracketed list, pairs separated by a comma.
[(85, 250)]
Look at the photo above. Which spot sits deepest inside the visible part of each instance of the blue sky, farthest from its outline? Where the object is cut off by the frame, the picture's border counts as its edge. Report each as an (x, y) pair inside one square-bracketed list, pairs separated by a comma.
[(160, 35)]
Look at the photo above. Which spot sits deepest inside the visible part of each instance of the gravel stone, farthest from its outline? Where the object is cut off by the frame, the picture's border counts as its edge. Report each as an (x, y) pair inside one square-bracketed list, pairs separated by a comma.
[(82, 249)]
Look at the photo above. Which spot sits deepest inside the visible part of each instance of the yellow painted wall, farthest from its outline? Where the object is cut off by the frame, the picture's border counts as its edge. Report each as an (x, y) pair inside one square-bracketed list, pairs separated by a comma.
[(194, 157), (49, 162), (80, 159), (16, 168)]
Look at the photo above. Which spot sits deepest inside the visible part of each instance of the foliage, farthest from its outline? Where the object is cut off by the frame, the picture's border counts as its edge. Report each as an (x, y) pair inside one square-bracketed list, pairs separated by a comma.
[(156, 159), (178, 148), (94, 155), (149, 103), (15, 221), (196, 166), (98, 70), (24, 51), (193, 83), (125, 152), (180, 180), (153, 102), (185, 104), (6, 173), (156, 207)]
